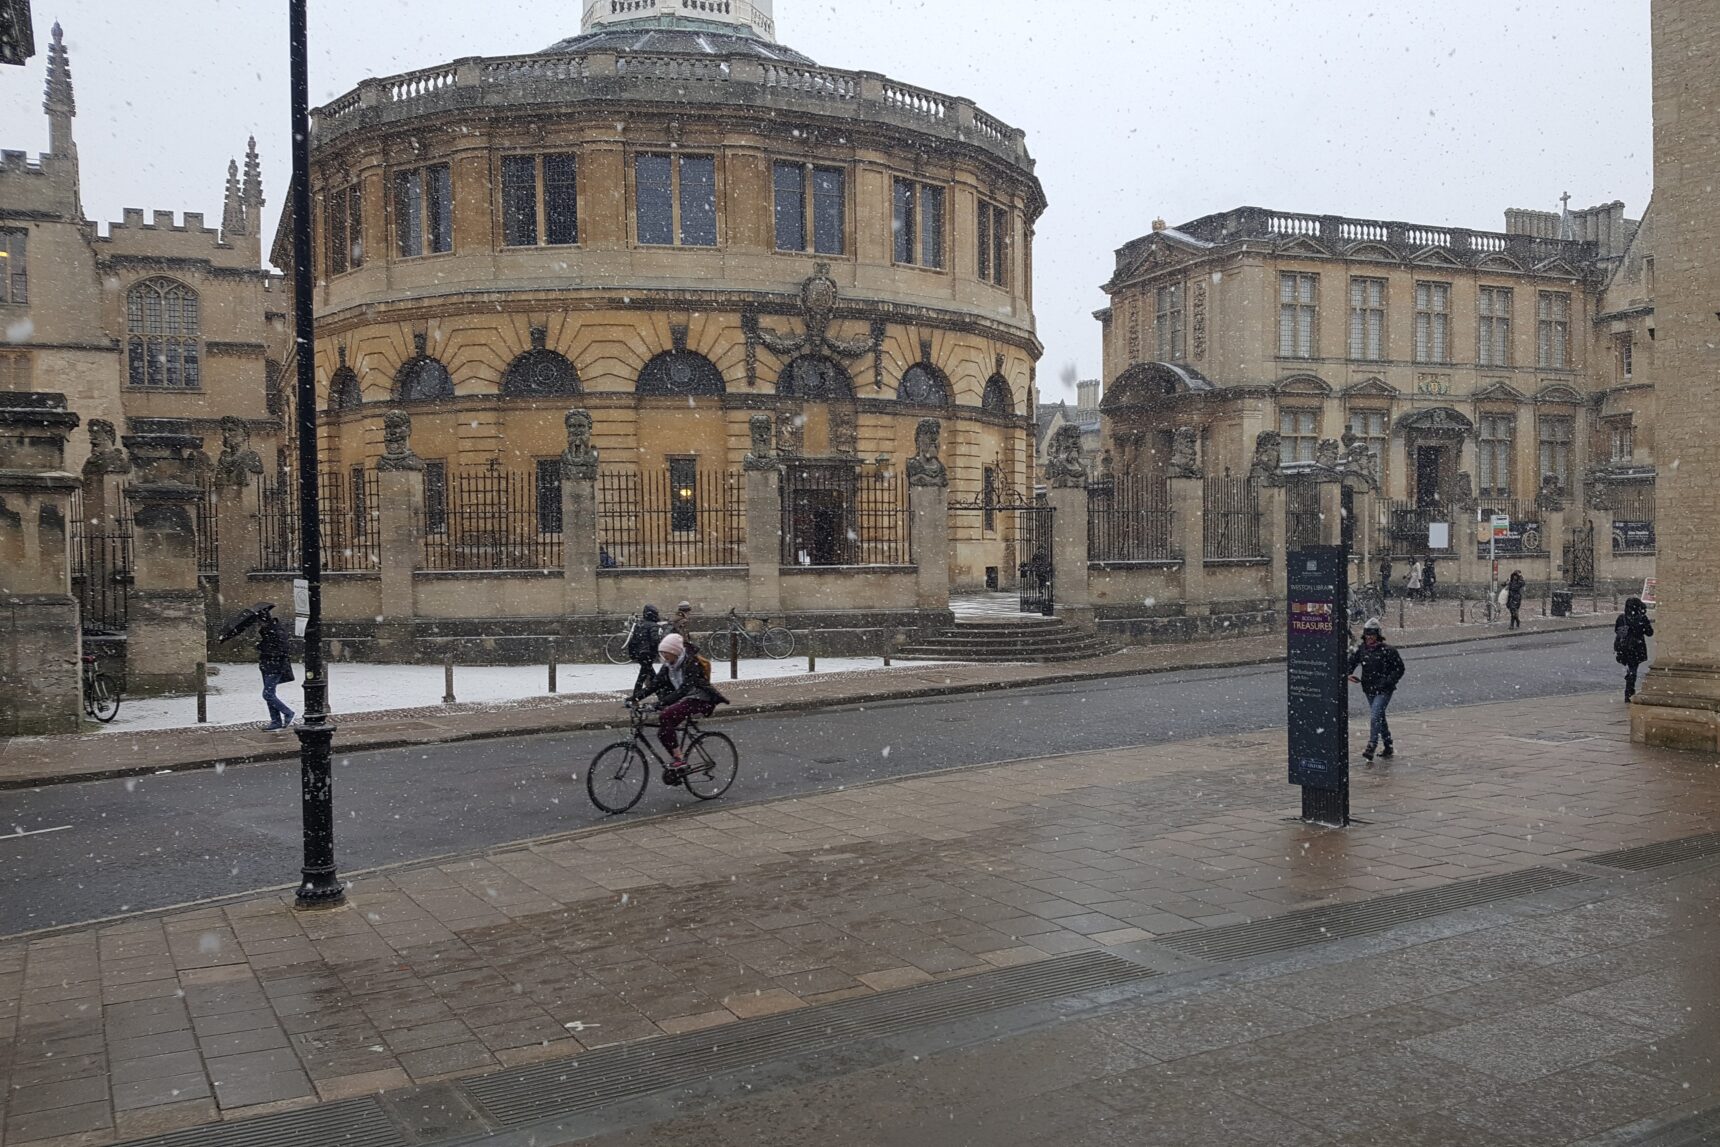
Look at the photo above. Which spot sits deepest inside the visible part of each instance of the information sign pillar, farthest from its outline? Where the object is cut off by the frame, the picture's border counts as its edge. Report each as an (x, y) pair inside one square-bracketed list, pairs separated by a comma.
[(1317, 600)]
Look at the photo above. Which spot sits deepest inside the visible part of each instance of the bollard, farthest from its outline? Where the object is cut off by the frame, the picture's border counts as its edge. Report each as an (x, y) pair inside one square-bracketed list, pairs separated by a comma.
[(552, 667), (886, 657), (1462, 611), (202, 693), (734, 656), (811, 655), (448, 679), (1400, 613)]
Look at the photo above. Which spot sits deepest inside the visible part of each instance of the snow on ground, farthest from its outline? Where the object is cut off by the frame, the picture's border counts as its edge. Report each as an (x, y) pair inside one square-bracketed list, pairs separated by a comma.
[(235, 691)]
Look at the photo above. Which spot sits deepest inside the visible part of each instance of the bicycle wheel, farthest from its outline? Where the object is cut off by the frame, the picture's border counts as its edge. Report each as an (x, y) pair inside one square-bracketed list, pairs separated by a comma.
[(778, 642), (616, 649), (617, 777), (716, 645), (712, 763), (103, 700)]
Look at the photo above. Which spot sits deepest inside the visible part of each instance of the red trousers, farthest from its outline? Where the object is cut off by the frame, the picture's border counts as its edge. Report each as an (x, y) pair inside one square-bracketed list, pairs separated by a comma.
[(676, 715)]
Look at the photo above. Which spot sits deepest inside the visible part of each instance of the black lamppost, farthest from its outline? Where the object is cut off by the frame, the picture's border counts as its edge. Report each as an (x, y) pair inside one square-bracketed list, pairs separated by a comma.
[(321, 887)]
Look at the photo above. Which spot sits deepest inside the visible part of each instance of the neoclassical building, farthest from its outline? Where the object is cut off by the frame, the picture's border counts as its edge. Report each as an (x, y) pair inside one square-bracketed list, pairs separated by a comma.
[(677, 223)]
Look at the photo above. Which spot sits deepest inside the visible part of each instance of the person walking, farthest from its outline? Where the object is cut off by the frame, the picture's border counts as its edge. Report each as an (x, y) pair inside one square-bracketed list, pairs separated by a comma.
[(1385, 579), (684, 691), (1429, 578), (274, 659), (683, 623), (1412, 580), (1514, 597), (1377, 668), (642, 648), (1630, 641)]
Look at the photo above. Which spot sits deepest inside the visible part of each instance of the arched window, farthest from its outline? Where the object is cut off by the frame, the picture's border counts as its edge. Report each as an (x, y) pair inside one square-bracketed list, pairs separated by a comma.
[(680, 374), (421, 378), (924, 385), (164, 347), (344, 391), (814, 377), (997, 398), (540, 373)]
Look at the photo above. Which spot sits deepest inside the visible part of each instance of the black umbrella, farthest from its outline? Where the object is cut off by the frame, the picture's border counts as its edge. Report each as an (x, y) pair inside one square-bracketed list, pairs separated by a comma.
[(246, 619)]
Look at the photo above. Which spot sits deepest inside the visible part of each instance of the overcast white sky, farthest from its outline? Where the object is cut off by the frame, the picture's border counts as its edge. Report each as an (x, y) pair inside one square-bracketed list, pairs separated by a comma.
[(1439, 113)]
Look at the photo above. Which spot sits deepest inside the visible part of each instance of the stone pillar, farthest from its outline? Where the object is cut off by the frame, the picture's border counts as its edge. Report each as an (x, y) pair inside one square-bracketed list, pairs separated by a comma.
[(1679, 706), (1188, 507), (1331, 488), (1275, 538), (764, 538), (105, 472), (40, 635), (166, 635), (929, 510), (579, 542), (400, 486), (236, 526), (1066, 473), (1602, 523)]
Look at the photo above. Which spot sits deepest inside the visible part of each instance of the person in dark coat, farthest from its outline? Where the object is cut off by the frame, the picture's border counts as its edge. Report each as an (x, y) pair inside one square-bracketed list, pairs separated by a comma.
[(683, 690), (1385, 579), (1630, 641), (642, 648), (1514, 597), (1377, 668), (1429, 579), (274, 659)]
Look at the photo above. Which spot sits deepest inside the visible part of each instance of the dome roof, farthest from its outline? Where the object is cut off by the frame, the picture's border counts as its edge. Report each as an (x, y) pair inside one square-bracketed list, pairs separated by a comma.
[(678, 34)]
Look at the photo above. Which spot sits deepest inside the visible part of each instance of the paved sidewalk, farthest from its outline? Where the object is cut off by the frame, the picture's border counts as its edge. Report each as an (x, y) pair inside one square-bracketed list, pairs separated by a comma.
[(717, 914), (29, 761)]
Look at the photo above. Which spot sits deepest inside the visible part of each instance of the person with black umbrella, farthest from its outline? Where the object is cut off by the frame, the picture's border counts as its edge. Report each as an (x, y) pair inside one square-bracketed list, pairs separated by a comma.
[(274, 657)]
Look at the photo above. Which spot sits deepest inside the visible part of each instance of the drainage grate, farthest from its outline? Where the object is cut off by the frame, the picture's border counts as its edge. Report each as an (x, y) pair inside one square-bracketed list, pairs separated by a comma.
[(355, 1123), (1648, 856), (568, 1087), (1339, 922)]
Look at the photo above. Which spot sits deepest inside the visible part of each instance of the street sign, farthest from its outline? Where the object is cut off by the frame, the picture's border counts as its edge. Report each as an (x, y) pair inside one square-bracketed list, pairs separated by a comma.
[(1501, 525), (1317, 640), (301, 605)]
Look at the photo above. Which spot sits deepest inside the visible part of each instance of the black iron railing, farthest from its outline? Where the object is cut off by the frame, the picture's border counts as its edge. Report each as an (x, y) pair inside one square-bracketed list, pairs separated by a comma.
[(350, 511), (845, 515), (1232, 520), (680, 519), (1130, 519), (1408, 528), (208, 533), (494, 519), (277, 527), (1301, 514), (102, 557), (1633, 518)]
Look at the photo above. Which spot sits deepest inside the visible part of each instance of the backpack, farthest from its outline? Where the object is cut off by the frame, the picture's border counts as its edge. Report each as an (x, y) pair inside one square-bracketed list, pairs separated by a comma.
[(704, 664), (1622, 641)]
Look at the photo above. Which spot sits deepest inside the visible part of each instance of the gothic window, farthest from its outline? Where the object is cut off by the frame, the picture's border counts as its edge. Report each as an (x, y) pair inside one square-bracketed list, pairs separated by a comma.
[(680, 374), (811, 208), (540, 200), (814, 377), (540, 373), (424, 211), (918, 224), (1553, 311), (344, 392), (924, 385), (1433, 322), (14, 282), (164, 350), (423, 378), (675, 200), (1493, 342), (1298, 315), (997, 398)]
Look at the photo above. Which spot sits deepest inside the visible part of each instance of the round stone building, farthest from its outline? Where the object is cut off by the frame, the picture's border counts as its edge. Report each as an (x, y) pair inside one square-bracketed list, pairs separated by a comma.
[(678, 224)]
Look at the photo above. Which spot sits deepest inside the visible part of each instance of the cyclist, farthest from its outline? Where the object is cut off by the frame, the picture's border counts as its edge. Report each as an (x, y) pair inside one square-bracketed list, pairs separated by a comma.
[(683, 690), (642, 649)]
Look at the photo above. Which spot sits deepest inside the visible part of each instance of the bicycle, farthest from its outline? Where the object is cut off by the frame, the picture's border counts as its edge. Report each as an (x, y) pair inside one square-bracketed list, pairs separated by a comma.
[(1367, 601), (619, 774), (101, 695), (775, 641), (616, 647)]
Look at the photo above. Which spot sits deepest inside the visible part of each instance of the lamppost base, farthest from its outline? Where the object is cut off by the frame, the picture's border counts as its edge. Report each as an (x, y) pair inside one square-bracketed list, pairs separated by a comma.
[(1327, 807), (322, 887), (320, 891)]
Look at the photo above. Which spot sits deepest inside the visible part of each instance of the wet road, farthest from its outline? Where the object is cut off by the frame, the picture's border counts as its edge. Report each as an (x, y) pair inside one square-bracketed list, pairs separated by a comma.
[(109, 847)]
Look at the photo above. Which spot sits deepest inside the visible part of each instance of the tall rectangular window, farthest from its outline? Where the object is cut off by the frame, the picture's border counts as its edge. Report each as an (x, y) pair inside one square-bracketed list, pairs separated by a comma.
[(1558, 433), (1298, 435), (436, 497), (1553, 346), (14, 280), (1497, 439), (675, 200), (549, 495), (1169, 323), (529, 181), (829, 210), (992, 256), (1298, 315), (1370, 427), (343, 229), (1493, 327), (1626, 357), (1433, 322), (683, 494), (988, 499), (424, 211), (1621, 438), (1367, 319), (790, 181), (811, 208), (918, 223)]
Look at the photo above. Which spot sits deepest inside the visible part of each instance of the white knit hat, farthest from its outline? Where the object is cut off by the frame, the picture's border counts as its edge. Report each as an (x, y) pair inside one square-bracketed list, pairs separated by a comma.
[(672, 646)]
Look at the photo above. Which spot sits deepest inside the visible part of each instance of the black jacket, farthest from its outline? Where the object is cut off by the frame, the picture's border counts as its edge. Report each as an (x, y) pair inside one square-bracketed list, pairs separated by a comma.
[(1630, 637), (274, 655), (1381, 668), (642, 645), (1514, 592), (695, 683)]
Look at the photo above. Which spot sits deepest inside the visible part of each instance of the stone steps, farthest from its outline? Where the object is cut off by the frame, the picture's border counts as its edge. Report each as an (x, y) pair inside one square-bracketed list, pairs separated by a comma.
[(1037, 640)]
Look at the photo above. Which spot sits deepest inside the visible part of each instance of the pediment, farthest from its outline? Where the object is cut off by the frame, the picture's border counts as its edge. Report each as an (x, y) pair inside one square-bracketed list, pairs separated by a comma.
[(1371, 251), (1439, 420), (1160, 252), (1501, 263), (1435, 257), (1560, 394), (1499, 391), (1304, 384), (1558, 267), (1302, 245), (1371, 388)]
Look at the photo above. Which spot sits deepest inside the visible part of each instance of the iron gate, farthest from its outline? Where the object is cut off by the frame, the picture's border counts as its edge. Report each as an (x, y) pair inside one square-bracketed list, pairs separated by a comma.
[(1024, 528), (101, 575), (1580, 557)]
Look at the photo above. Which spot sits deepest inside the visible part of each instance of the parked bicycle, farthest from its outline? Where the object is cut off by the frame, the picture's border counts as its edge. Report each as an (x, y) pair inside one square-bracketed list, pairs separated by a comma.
[(619, 774), (1366, 601), (773, 640), (101, 693), (616, 647)]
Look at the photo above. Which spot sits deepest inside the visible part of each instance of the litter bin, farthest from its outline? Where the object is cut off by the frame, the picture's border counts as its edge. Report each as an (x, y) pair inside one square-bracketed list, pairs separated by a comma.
[(1562, 602)]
